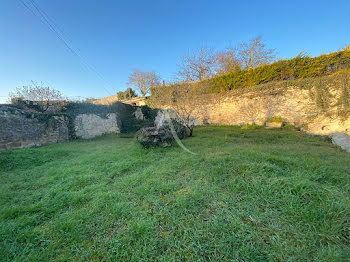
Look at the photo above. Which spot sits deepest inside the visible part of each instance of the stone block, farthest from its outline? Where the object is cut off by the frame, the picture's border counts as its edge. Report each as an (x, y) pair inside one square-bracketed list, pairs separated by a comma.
[(274, 124)]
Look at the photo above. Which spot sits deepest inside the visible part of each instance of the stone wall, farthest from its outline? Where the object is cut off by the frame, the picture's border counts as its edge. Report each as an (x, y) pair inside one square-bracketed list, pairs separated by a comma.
[(295, 105), (19, 128), (91, 125), (24, 124), (22, 128)]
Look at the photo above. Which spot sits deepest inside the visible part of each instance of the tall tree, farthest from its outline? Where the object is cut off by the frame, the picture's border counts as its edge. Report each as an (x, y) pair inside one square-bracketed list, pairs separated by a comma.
[(197, 65), (127, 94), (254, 53), (143, 81)]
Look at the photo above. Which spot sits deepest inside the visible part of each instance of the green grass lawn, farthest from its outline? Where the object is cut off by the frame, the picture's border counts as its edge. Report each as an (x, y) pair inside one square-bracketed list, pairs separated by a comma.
[(247, 195)]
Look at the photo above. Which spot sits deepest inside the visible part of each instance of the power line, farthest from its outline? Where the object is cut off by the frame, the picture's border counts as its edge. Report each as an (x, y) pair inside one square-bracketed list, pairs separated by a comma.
[(70, 48), (47, 21), (84, 60)]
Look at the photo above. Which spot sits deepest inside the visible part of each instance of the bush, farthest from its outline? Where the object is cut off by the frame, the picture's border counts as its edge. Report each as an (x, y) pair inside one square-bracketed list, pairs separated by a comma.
[(299, 67), (127, 94), (289, 126), (296, 68), (275, 119)]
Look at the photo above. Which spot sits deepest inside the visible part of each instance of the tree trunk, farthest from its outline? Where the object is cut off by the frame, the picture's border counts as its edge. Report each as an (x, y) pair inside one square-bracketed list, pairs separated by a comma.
[(191, 131)]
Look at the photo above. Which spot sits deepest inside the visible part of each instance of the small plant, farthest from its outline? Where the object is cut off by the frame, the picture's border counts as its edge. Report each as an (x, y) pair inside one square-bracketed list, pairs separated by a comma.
[(289, 126), (275, 119), (250, 126)]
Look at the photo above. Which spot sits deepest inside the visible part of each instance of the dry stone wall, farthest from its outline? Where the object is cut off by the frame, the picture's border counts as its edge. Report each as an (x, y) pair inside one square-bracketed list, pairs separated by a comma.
[(91, 125), (19, 128), (24, 124), (22, 128), (295, 105)]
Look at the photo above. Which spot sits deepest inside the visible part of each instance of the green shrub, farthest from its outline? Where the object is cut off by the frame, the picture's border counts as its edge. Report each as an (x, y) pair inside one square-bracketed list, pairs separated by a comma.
[(275, 119), (299, 67), (289, 126), (296, 68), (149, 113)]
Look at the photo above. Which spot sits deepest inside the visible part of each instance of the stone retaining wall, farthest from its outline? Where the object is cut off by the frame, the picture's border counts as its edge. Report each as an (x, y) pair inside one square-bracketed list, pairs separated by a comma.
[(21, 128), (91, 125), (293, 104)]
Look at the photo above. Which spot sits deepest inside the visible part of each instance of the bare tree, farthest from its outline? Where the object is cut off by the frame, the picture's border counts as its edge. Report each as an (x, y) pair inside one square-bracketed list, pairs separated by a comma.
[(187, 100), (227, 61), (182, 102), (37, 92), (346, 48), (254, 53), (143, 81), (197, 65)]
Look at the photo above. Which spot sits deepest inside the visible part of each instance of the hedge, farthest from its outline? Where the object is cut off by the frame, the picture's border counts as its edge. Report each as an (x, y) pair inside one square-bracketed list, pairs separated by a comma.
[(296, 68)]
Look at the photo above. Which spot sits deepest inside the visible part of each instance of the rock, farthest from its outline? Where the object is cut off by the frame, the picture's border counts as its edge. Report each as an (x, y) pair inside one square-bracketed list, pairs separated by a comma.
[(342, 140), (163, 135), (274, 124), (166, 117), (153, 136), (179, 129), (138, 114), (174, 126)]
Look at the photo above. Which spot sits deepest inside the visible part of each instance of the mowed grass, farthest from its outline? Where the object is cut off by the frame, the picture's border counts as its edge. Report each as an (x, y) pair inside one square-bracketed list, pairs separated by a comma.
[(246, 195)]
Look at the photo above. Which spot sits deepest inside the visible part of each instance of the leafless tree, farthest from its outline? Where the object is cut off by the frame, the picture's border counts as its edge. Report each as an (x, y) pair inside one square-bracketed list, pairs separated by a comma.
[(197, 65), (37, 92), (227, 61), (143, 81), (254, 53), (187, 100), (182, 102), (346, 48)]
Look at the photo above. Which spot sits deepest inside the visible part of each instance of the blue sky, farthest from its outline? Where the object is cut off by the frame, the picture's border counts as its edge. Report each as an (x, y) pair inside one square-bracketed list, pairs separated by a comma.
[(116, 37)]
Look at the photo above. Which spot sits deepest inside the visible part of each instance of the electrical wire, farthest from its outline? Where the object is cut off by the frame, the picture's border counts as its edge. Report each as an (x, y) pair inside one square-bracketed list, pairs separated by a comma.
[(47, 21)]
